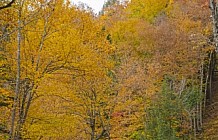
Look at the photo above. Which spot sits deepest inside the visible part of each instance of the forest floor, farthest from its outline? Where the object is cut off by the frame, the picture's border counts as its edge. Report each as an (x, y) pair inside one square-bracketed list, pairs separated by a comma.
[(210, 121)]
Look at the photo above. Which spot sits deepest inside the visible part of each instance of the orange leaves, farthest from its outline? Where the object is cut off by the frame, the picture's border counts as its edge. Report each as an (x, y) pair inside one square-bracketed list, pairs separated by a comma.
[(147, 53)]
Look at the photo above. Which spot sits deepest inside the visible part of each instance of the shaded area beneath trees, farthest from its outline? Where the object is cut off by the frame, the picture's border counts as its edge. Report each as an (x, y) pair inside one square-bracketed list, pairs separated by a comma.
[(210, 121)]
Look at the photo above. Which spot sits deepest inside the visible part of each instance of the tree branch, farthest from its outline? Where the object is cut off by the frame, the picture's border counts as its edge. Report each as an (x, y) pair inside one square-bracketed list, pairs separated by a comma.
[(7, 5)]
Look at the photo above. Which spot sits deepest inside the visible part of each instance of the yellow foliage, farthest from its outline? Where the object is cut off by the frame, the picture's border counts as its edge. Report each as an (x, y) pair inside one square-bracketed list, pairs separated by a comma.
[(147, 9)]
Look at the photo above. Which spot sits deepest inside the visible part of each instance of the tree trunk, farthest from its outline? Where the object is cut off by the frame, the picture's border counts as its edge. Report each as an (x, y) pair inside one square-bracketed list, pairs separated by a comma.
[(16, 96), (214, 12)]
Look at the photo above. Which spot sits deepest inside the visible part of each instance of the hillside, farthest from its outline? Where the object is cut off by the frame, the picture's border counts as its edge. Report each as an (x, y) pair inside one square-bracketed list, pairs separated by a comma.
[(136, 71)]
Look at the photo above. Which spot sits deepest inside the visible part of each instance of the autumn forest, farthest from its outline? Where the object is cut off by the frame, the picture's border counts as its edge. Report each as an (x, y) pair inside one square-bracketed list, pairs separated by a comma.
[(137, 70)]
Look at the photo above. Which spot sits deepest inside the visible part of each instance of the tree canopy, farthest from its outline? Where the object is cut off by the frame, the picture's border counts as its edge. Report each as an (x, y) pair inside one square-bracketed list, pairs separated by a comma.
[(138, 70)]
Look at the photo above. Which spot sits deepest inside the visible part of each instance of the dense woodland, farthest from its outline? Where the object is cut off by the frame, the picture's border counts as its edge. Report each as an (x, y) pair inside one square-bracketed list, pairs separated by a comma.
[(135, 71)]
